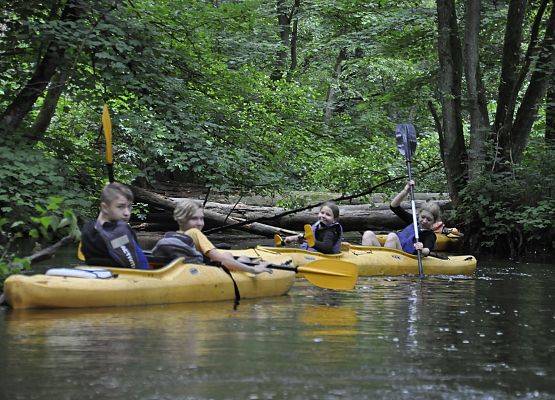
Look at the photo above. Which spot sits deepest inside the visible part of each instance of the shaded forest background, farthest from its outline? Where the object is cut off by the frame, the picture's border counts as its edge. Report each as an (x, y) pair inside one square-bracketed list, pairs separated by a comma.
[(261, 96)]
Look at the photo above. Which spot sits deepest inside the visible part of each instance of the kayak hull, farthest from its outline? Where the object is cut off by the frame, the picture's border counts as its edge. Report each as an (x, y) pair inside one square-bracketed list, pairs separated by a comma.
[(375, 261), (176, 283), (443, 242)]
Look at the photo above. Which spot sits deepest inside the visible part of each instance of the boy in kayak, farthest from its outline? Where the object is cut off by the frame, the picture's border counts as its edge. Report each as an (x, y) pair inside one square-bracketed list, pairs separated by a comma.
[(109, 240), (404, 240), (191, 243), (328, 232)]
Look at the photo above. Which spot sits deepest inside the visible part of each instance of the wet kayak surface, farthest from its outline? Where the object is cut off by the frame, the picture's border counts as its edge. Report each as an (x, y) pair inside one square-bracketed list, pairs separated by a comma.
[(487, 337)]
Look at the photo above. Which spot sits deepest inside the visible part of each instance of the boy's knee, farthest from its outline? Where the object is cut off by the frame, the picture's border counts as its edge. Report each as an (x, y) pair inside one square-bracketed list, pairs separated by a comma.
[(368, 234)]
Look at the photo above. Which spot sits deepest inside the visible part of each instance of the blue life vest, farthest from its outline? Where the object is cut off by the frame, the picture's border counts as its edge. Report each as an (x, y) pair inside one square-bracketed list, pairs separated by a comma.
[(175, 244), (122, 246), (407, 239), (317, 227)]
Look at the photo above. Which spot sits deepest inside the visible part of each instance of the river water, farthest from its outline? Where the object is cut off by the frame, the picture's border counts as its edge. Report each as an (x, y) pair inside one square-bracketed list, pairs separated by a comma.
[(487, 337)]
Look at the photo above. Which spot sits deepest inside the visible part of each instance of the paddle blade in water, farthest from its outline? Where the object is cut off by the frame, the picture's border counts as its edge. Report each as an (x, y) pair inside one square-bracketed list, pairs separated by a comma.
[(309, 236), (405, 134), (278, 241), (107, 127), (331, 274)]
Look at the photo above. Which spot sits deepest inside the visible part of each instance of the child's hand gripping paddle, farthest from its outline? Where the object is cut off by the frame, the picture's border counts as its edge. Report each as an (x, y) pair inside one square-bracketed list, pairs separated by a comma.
[(308, 237)]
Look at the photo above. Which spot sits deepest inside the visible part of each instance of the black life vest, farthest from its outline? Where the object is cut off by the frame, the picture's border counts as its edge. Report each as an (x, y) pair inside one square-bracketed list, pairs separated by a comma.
[(122, 245)]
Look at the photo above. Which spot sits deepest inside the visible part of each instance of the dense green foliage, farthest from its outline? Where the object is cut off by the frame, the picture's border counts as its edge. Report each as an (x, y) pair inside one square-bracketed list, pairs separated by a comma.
[(514, 211), (197, 94), (47, 223)]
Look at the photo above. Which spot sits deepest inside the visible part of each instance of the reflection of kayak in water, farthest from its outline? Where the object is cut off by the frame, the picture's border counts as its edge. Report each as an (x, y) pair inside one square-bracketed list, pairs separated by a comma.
[(375, 261), (176, 283)]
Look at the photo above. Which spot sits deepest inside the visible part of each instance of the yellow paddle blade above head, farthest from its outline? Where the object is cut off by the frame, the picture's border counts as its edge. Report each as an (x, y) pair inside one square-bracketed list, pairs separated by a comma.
[(309, 236), (107, 128), (331, 274)]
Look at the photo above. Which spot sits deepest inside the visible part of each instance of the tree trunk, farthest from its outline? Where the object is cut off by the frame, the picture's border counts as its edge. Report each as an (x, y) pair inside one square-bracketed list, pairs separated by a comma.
[(284, 25), (478, 120), (550, 113), (510, 60), (527, 112), (353, 217), (450, 73), (18, 109), (334, 86), (294, 32), (48, 107)]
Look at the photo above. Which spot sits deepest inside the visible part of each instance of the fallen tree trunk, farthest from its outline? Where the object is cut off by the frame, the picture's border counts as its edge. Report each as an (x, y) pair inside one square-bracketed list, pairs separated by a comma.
[(353, 217), (212, 217), (49, 251)]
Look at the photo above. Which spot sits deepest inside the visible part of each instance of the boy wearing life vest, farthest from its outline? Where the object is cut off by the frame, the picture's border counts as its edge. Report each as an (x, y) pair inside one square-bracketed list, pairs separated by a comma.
[(189, 242), (404, 240), (110, 240)]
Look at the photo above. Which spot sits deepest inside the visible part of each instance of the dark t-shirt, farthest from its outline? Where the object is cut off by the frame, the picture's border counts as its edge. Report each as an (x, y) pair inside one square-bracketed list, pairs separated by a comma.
[(94, 247), (427, 237)]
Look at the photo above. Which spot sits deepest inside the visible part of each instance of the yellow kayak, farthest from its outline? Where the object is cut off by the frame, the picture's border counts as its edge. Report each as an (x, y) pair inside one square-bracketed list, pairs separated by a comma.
[(443, 242), (374, 261), (176, 283)]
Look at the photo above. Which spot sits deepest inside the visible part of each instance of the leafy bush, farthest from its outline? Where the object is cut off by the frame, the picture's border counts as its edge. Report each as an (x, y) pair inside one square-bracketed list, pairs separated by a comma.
[(512, 212), (29, 177), (47, 224)]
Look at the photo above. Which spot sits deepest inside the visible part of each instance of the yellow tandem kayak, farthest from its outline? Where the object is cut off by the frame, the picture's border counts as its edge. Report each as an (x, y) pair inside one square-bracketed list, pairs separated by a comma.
[(374, 261), (176, 283)]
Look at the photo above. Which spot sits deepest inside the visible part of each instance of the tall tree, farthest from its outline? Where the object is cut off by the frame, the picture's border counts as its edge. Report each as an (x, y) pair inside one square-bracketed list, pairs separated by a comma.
[(450, 76), (53, 58), (479, 121)]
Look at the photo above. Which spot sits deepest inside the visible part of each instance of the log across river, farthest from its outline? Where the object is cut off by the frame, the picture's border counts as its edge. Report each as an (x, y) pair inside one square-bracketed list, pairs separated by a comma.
[(356, 217)]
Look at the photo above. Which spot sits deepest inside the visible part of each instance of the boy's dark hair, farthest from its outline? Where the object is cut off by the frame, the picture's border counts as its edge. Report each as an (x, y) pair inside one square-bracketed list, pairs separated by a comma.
[(112, 190), (333, 207)]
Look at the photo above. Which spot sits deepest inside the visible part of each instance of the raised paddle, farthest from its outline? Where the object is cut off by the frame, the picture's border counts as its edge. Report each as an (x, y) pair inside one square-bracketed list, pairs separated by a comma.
[(405, 134), (107, 128), (328, 274), (308, 236)]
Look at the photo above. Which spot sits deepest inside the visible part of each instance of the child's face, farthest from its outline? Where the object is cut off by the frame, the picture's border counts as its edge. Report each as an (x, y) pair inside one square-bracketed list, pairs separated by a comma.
[(118, 209), (425, 219), (326, 215), (196, 221)]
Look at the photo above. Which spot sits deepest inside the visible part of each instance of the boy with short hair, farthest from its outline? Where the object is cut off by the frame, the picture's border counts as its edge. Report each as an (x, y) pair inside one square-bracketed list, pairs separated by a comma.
[(110, 240)]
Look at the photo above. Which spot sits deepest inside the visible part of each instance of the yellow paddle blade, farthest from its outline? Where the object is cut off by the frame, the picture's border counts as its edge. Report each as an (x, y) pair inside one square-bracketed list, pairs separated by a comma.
[(309, 236), (80, 254), (331, 274), (107, 127), (277, 240)]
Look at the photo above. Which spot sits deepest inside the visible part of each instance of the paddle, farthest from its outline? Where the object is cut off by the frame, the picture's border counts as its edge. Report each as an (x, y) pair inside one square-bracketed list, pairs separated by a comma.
[(107, 128), (308, 237), (328, 274), (405, 134)]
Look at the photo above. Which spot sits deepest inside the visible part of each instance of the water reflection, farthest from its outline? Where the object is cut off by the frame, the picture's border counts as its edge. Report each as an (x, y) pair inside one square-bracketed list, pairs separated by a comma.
[(391, 338)]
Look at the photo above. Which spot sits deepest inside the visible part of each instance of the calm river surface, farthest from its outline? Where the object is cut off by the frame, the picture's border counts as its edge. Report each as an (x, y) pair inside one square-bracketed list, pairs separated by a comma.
[(488, 337)]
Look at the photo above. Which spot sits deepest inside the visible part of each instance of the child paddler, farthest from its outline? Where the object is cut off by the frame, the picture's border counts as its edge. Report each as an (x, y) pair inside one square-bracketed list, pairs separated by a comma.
[(428, 214), (328, 232), (191, 243), (110, 240)]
